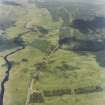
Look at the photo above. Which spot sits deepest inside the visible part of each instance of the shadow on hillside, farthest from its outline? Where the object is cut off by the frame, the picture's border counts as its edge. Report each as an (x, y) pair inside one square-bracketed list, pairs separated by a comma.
[(84, 46), (85, 25), (8, 44)]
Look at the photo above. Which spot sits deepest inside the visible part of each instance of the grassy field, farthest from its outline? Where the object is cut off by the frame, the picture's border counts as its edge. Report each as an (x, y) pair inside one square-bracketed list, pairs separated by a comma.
[(61, 69), (81, 71)]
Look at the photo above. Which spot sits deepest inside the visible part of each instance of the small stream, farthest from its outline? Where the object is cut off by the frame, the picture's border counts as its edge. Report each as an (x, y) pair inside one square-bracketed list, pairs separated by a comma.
[(6, 75), (9, 65)]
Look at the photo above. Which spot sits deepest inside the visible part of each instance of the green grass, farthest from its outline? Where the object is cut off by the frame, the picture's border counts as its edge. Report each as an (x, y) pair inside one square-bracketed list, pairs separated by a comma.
[(86, 99), (86, 72), (21, 75), (64, 69)]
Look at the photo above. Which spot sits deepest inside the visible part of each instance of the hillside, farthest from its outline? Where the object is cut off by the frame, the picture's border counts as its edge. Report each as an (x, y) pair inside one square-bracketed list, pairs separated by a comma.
[(52, 53)]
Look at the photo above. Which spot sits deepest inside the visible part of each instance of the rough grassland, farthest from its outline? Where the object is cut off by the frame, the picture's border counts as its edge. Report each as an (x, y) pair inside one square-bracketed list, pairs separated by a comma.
[(63, 69)]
